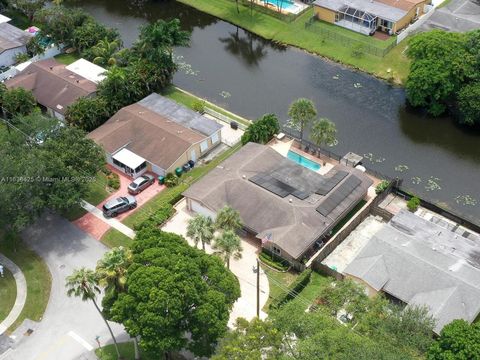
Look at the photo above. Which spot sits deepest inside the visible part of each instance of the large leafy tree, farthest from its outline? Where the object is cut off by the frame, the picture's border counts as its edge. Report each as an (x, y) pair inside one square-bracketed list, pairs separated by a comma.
[(262, 130), (201, 230), (177, 296), (228, 219), (90, 34), (458, 340), (228, 245), (302, 112), (87, 113), (83, 283), (469, 103), (17, 101), (28, 7), (103, 52), (44, 166)]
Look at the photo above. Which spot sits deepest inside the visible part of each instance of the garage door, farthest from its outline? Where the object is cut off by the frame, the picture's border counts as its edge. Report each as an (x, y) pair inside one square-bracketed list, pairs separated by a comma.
[(198, 208)]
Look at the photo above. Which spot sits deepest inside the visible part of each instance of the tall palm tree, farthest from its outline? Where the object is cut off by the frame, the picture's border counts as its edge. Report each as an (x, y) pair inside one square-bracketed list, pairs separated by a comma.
[(112, 269), (201, 229), (323, 132), (228, 219), (302, 112), (83, 283), (228, 245), (104, 52)]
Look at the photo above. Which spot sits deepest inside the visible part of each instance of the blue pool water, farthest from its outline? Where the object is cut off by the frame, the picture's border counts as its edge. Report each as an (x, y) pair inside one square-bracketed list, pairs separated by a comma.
[(299, 159), (284, 4)]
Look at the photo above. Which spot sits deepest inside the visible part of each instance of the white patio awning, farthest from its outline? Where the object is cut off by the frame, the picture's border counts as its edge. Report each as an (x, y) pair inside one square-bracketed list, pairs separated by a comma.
[(129, 158)]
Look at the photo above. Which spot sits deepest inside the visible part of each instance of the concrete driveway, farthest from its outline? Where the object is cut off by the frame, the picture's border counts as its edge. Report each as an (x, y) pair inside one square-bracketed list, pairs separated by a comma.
[(246, 305), (69, 326)]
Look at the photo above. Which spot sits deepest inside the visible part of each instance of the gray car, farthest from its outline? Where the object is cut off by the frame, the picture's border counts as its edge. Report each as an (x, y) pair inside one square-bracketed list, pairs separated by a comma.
[(119, 205), (140, 184)]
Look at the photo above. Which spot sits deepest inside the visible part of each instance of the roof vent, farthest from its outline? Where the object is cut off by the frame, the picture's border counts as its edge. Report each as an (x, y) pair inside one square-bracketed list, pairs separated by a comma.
[(51, 67), (290, 200), (244, 176)]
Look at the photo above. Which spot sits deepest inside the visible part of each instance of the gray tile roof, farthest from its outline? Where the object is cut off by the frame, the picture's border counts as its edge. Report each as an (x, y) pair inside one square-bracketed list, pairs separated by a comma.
[(180, 114), (12, 37), (422, 263), (383, 11), (294, 224)]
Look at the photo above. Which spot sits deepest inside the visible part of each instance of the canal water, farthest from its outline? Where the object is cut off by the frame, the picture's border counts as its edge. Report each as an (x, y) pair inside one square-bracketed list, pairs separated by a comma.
[(251, 76)]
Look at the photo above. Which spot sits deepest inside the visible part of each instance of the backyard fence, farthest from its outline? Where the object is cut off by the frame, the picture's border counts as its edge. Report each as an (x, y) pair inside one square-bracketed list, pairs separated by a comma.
[(355, 44), (273, 11)]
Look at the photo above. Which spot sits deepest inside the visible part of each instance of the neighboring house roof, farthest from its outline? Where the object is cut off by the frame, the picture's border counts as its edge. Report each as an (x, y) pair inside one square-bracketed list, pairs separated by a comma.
[(423, 264), (180, 114), (377, 8), (52, 84), (294, 224), (88, 70), (157, 138), (12, 37), (4, 19)]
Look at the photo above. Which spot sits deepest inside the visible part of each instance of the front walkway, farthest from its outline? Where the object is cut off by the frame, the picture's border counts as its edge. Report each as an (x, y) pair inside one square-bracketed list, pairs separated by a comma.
[(21, 283), (245, 306), (114, 223)]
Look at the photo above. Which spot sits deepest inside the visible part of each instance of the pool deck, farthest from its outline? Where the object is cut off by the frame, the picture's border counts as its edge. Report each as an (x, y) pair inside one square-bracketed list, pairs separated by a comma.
[(299, 6)]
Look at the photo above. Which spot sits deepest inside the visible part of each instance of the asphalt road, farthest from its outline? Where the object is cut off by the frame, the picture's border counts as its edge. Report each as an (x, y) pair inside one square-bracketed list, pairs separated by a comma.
[(459, 15), (69, 326)]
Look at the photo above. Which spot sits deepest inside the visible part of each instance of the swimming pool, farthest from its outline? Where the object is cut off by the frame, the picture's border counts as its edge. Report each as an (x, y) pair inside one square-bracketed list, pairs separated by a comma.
[(282, 4), (301, 160)]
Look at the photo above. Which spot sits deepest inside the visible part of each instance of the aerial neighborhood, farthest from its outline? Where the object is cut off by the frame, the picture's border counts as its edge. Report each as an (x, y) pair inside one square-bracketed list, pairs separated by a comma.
[(258, 179)]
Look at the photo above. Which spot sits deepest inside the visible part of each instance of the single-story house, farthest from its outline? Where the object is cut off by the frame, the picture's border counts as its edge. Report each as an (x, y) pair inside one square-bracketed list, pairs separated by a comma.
[(368, 16), (54, 86), (287, 206), (421, 263), (156, 134), (13, 41)]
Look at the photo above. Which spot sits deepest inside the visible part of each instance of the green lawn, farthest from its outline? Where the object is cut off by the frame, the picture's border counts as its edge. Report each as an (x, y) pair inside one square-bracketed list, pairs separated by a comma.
[(277, 283), (311, 291), (188, 100), (295, 33), (97, 193), (67, 59), (114, 238), (36, 273), (8, 293), (169, 194), (127, 352)]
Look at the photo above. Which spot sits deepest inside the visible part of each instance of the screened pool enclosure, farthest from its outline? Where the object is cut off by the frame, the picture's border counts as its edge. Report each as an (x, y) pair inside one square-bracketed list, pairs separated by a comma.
[(357, 20)]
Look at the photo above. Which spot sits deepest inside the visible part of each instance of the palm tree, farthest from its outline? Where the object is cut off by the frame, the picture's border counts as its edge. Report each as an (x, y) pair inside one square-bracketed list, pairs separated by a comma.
[(201, 229), (83, 283), (104, 52), (228, 219), (323, 132), (302, 112), (112, 269), (228, 245)]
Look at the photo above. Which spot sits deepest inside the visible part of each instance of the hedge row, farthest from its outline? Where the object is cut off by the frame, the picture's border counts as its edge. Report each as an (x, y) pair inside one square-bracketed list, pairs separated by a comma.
[(158, 218), (272, 261), (294, 289)]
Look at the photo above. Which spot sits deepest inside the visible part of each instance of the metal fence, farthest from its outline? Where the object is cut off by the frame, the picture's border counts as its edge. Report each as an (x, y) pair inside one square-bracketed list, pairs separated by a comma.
[(355, 44)]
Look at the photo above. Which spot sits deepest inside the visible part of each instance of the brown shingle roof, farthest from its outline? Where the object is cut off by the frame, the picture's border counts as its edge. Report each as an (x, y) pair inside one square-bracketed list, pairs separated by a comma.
[(406, 5), (155, 138), (12, 37), (52, 85)]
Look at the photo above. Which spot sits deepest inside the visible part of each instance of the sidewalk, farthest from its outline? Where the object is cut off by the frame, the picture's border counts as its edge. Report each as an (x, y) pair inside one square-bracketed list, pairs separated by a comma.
[(114, 223), (21, 293)]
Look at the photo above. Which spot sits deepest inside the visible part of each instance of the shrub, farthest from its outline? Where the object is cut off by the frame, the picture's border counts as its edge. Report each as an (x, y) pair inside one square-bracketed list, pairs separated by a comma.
[(382, 186), (171, 180), (199, 106), (158, 218), (273, 261), (262, 130), (297, 286), (113, 181), (413, 204)]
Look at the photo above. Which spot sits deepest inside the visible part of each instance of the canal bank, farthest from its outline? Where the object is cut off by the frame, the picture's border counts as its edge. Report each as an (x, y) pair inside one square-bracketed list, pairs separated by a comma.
[(249, 75)]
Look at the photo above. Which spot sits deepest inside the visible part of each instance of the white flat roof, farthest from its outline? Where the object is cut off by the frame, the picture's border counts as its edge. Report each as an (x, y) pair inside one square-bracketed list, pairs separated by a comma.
[(129, 158), (4, 19), (88, 70)]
